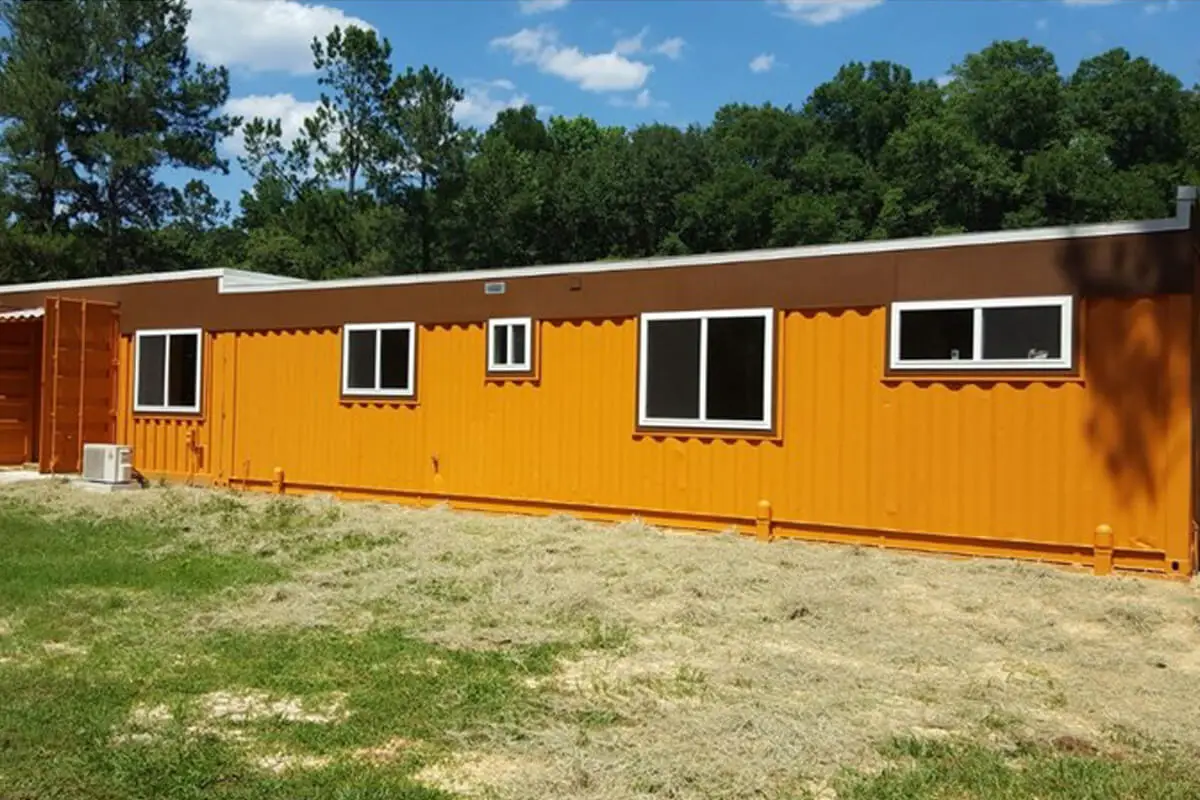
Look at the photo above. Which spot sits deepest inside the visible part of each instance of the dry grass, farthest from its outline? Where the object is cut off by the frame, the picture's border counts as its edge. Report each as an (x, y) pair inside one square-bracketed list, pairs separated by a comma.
[(714, 666)]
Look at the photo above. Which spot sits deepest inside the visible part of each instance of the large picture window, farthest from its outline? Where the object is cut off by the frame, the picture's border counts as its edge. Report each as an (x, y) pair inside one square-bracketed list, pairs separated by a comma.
[(378, 360), (167, 371), (706, 369), (1016, 333)]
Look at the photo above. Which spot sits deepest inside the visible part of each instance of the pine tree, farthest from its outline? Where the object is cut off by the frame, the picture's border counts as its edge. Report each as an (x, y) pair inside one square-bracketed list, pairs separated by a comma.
[(96, 97)]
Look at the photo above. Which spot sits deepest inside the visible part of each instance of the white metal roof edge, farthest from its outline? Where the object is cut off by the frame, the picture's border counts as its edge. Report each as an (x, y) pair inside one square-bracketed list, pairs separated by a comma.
[(234, 279), (114, 280), (228, 279), (776, 254)]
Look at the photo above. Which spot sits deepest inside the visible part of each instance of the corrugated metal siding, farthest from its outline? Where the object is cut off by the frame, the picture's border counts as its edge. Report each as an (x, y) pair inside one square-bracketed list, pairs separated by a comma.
[(170, 445), (77, 402), (1040, 461), (956, 465)]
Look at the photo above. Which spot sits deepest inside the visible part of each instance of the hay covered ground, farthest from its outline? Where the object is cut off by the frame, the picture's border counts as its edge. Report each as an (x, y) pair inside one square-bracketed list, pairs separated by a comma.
[(186, 643)]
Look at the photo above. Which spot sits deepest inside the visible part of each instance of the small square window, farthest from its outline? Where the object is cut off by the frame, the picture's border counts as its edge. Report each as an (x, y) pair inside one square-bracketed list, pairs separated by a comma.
[(377, 360), (509, 345), (999, 333), (167, 371)]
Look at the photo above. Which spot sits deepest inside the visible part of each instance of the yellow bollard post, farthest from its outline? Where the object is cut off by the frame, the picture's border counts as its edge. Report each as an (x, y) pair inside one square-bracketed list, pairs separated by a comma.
[(762, 524), (1102, 551)]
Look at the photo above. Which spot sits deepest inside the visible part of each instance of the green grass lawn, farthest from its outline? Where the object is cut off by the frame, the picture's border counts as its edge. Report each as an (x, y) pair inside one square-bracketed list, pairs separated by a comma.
[(111, 686), (102, 630), (944, 771)]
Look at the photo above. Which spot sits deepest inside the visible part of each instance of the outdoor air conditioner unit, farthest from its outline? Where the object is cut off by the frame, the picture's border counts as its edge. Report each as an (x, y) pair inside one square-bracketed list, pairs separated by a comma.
[(107, 463)]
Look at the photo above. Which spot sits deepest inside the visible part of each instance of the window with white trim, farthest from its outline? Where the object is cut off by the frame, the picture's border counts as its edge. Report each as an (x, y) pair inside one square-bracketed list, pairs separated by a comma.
[(378, 359), (706, 369), (1000, 333), (166, 371), (509, 345)]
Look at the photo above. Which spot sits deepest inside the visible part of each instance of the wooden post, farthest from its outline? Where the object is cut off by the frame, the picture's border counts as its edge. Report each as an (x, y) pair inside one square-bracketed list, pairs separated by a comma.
[(762, 524), (277, 483), (1102, 552)]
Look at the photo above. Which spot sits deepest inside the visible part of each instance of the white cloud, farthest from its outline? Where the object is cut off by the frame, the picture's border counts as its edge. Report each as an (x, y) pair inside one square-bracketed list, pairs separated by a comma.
[(1088, 2), (943, 80), (541, 6), (526, 43), (1154, 8), (483, 100), (593, 72), (290, 112), (262, 35), (671, 48), (632, 44), (823, 12), (642, 99), (1042, 24), (764, 62)]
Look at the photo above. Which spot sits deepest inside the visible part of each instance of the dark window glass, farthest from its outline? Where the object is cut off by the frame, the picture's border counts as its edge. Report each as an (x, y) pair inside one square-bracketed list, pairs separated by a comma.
[(736, 351), (393, 362), (936, 335), (1029, 332), (500, 345), (360, 366), (520, 356), (673, 369), (184, 366), (152, 364)]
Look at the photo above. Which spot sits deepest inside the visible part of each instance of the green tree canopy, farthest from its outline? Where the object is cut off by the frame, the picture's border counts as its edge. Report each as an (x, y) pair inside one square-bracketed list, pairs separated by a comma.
[(97, 97)]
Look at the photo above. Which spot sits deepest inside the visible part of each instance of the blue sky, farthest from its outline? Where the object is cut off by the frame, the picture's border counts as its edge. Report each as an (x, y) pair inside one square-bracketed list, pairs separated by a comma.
[(632, 62)]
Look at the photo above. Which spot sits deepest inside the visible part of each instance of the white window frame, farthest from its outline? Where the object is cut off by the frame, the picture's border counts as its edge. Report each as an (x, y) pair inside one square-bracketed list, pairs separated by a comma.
[(703, 422), (1065, 303), (378, 328), (526, 363), (166, 408)]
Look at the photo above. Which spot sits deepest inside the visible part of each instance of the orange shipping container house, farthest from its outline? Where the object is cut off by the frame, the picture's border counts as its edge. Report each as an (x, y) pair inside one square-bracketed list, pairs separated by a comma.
[(1027, 393)]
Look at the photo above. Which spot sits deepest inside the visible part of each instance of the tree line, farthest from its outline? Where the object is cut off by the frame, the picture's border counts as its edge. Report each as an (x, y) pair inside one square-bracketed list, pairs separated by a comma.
[(99, 97)]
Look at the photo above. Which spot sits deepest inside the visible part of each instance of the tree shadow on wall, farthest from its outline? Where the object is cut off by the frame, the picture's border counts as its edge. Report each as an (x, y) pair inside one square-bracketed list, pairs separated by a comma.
[(1136, 332)]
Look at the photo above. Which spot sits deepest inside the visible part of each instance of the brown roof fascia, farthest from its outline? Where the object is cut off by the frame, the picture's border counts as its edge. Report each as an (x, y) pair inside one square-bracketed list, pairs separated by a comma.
[(1104, 266)]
